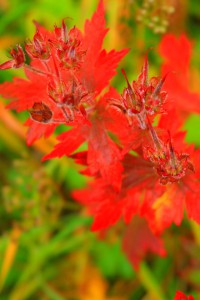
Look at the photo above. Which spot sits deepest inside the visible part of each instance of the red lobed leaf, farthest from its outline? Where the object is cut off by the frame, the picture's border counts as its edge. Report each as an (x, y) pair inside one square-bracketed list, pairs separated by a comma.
[(138, 240), (181, 296), (69, 142), (104, 155), (168, 208), (24, 93), (94, 33), (177, 54), (37, 130), (98, 66), (192, 199), (105, 67), (102, 202)]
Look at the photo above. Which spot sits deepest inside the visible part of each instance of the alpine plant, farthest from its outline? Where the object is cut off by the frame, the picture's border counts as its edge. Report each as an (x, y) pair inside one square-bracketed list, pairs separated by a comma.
[(142, 169)]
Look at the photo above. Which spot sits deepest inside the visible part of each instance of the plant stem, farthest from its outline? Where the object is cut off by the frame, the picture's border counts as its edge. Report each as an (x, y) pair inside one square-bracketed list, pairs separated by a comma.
[(148, 280)]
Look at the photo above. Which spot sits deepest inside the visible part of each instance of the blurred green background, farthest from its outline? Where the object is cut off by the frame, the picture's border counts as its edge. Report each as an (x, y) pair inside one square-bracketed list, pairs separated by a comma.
[(46, 248)]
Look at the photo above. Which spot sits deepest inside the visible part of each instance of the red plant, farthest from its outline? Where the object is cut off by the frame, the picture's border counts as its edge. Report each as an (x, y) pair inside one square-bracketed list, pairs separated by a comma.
[(68, 70), (180, 296), (148, 187)]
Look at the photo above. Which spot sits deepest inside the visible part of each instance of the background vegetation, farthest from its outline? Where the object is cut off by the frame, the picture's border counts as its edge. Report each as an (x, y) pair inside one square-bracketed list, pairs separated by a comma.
[(47, 251)]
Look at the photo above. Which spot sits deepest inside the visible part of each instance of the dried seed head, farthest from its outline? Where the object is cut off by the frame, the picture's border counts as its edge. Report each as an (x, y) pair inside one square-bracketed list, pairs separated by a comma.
[(41, 113), (68, 46), (38, 48)]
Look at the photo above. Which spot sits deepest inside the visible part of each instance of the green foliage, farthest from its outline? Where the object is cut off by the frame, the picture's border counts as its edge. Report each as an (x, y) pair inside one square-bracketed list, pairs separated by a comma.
[(111, 261), (193, 126)]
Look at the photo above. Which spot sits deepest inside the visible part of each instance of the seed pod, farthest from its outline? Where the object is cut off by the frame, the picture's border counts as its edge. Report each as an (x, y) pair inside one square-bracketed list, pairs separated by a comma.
[(41, 113)]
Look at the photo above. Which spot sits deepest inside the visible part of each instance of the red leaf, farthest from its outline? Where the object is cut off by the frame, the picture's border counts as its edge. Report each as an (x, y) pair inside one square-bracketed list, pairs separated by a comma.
[(192, 199), (168, 208), (7, 65), (105, 67), (95, 32), (37, 130), (139, 240), (103, 203), (107, 216), (103, 155), (24, 93), (177, 51), (70, 141), (107, 204), (180, 296), (98, 66), (177, 54)]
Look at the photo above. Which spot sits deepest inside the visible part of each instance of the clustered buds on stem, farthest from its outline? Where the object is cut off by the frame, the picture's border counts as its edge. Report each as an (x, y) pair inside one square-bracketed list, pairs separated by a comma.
[(141, 100), (38, 48), (63, 51), (143, 97), (69, 48), (170, 165), (17, 61)]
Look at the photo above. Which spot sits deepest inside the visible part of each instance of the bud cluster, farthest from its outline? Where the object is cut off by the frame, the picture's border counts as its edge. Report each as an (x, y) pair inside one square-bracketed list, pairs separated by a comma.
[(57, 56), (155, 15)]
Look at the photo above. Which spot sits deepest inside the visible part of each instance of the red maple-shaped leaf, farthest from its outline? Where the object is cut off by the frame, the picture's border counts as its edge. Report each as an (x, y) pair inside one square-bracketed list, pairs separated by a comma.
[(177, 55), (182, 192), (25, 93), (102, 202), (99, 66), (103, 156), (37, 130), (107, 203), (168, 209), (138, 240), (181, 296), (69, 142), (95, 31)]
